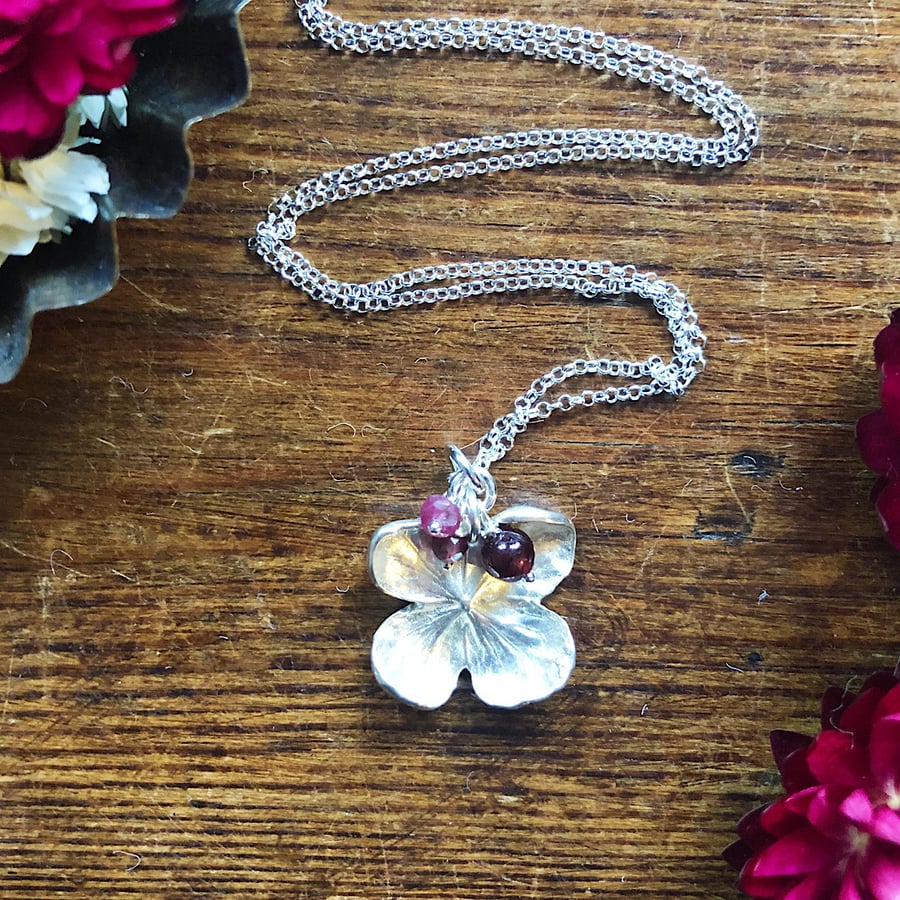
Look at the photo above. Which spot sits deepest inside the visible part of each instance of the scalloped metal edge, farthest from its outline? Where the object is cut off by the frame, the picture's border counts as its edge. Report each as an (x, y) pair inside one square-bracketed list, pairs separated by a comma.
[(150, 167)]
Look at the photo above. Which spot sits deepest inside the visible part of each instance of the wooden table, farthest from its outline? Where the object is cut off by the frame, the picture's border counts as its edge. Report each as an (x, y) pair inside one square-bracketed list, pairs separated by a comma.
[(192, 468)]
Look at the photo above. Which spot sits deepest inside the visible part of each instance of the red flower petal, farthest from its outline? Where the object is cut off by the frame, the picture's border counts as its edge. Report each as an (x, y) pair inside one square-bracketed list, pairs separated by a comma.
[(890, 389), (762, 888), (888, 508), (799, 802), (751, 830), (53, 50), (66, 17), (884, 754), (834, 759), (815, 886), (798, 853), (883, 679), (796, 775), (737, 854), (879, 445), (857, 717), (885, 825), (836, 835), (784, 743), (889, 703), (882, 873), (8, 43), (28, 123), (789, 749), (20, 10), (826, 814), (58, 74), (787, 813), (857, 807), (881, 822), (14, 111), (887, 344), (849, 889)]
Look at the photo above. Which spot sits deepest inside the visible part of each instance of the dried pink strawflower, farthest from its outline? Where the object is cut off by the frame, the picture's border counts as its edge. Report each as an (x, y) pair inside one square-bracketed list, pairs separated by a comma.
[(878, 432), (835, 832), (53, 50)]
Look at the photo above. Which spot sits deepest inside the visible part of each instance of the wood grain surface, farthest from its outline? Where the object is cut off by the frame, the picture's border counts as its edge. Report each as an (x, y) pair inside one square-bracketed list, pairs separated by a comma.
[(192, 467)]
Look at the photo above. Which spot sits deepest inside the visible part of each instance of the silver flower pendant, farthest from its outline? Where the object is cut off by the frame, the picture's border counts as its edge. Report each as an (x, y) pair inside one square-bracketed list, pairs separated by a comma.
[(470, 606)]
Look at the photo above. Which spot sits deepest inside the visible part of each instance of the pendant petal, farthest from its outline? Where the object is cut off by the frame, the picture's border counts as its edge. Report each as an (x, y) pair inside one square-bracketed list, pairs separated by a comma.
[(553, 535), (418, 653), (404, 566), (519, 653)]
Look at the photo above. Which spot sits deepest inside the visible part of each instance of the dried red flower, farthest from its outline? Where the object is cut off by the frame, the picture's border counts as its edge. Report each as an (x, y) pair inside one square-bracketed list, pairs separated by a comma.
[(878, 432), (53, 50), (835, 832)]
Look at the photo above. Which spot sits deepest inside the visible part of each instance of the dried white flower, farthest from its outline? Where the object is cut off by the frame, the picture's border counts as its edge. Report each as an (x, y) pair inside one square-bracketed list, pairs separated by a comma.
[(24, 220), (65, 179), (40, 198), (102, 109)]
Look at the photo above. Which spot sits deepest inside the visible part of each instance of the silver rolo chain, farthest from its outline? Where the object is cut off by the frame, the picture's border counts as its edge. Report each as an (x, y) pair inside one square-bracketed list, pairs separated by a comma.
[(520, 150)]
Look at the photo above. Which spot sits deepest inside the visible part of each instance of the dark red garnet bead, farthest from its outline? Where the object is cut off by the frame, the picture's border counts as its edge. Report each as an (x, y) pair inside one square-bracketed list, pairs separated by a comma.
[(508, 554), (449, 549)]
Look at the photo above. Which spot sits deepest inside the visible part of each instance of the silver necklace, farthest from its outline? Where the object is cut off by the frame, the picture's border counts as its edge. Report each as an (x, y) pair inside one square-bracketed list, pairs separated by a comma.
[(474, 582)]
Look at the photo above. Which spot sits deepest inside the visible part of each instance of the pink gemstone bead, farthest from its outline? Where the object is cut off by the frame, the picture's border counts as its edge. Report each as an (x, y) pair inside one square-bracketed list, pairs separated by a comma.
[(440, 517)]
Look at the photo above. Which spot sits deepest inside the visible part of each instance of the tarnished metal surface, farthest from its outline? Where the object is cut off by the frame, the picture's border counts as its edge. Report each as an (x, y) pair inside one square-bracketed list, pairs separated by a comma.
[(195, 70)]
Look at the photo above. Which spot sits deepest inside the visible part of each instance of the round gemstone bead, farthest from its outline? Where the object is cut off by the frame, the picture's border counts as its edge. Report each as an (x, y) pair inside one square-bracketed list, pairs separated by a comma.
[(449, 549), (440, 517), (508, 554)]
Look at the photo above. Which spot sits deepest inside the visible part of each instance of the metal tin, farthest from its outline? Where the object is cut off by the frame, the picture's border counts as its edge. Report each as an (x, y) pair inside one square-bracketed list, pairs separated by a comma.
[(193, 71)]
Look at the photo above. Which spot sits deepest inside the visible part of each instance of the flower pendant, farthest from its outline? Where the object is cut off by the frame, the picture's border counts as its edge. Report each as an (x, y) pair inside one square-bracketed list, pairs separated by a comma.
[(471, 608)]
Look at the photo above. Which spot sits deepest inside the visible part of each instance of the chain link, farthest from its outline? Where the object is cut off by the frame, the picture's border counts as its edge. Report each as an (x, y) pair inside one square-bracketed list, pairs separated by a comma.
[(486, 154)]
